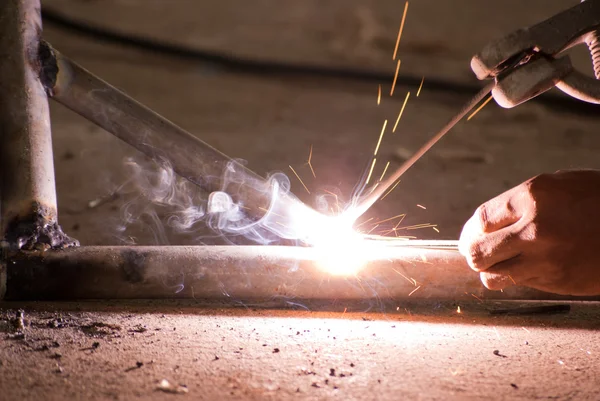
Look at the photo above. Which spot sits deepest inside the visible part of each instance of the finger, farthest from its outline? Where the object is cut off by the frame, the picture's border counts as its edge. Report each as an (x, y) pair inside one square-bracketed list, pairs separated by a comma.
[(505, 274), (486, 250), (470, 232), (494, 281), (498, 213)]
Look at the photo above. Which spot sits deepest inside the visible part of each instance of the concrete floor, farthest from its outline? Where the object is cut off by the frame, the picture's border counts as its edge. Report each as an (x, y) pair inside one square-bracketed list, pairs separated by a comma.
[(424, 350)]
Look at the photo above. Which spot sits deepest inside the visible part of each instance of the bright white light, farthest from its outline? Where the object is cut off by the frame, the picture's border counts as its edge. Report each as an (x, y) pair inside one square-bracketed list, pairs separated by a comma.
[(340, 250)]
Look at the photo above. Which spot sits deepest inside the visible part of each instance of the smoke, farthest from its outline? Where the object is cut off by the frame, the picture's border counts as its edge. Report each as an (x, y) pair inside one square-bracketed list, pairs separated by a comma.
[(168, 206)]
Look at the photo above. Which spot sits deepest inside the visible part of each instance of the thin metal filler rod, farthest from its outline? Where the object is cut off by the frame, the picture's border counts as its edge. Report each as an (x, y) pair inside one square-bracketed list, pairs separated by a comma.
[(379, 189)]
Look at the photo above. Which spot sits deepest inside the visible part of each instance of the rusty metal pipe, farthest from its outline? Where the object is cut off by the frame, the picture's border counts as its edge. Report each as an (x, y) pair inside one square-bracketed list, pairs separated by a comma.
[(28, 206), (162, 140), (227, 273), (242, 274)]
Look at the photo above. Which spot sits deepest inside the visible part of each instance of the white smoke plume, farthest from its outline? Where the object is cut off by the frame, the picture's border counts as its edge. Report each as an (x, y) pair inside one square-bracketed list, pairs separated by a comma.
[(167, 204)]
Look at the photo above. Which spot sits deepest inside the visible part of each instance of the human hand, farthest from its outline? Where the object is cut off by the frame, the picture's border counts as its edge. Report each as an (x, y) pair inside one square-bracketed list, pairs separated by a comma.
[(544, 234)]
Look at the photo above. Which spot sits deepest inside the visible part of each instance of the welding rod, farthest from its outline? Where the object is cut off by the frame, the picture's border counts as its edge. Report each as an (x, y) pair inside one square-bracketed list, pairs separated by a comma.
[(160, 139), (382, 187)]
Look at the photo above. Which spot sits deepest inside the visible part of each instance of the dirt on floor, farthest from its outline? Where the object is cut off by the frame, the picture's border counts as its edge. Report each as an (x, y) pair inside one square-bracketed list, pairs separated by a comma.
[(169, 350), (422, 350)]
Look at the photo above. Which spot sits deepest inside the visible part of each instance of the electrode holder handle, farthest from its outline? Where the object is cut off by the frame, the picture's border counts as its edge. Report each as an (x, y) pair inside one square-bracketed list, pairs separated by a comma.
[(526, 63)]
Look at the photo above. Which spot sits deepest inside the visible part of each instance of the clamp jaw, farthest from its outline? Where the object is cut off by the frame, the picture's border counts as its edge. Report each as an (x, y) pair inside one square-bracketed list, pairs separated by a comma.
[(528, 62)]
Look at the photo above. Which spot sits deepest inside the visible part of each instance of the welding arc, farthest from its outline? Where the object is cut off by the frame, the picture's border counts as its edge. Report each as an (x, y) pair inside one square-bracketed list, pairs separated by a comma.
[(378, 191)]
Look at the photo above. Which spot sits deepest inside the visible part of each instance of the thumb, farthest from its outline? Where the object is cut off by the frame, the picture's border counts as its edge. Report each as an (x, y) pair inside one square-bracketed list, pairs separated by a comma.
[(495, 281)]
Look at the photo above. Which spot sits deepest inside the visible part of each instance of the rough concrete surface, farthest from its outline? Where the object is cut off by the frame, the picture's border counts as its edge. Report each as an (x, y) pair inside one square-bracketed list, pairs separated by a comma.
[(423, 350)]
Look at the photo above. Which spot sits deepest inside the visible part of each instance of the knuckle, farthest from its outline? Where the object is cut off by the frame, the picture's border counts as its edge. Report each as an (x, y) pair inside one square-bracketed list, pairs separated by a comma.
[(475, 256), (529, 187), (526, 200), (496, 213), (482, 216), (540, 184), (542, 178)]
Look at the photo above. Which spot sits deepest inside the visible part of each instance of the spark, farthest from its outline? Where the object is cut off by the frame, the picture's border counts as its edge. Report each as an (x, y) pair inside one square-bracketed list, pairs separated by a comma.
[(407, 279), (380, 138), (388, 192), (337, 200), (400, 31), (525, 329), (384, 171), (364, 222), (417, 226), (379, 95), (392, 218), (401, 111), (310, 162), (477, 298), (480, 107), (413, 291), (395, 78), (512, 279), (366, 202), (371, 230), (360, 283), (299, 179), (458, 310), (371, 171), (436, 229), (398, 237), (374, 186), (421, 206), (345, 309), (420, 86), (399, 222)]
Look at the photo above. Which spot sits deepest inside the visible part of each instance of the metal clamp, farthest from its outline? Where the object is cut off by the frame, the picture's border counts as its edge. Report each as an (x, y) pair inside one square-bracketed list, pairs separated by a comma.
[(526, 63)]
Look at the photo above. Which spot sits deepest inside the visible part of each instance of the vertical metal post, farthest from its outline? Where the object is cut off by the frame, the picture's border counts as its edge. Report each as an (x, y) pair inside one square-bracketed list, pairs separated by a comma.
[(28, 209)]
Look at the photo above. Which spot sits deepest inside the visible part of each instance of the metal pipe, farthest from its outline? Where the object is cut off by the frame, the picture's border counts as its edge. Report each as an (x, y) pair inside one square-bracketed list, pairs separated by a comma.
[(27, 189), (243, 274), (161, 140)]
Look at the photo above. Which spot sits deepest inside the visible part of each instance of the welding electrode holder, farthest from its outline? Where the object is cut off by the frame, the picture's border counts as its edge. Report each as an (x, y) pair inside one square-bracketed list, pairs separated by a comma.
[(528, 62)]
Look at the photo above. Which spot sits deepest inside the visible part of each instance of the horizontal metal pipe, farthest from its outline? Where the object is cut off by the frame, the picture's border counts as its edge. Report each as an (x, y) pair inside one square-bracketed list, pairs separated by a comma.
[(243, 274), (161, 140)]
